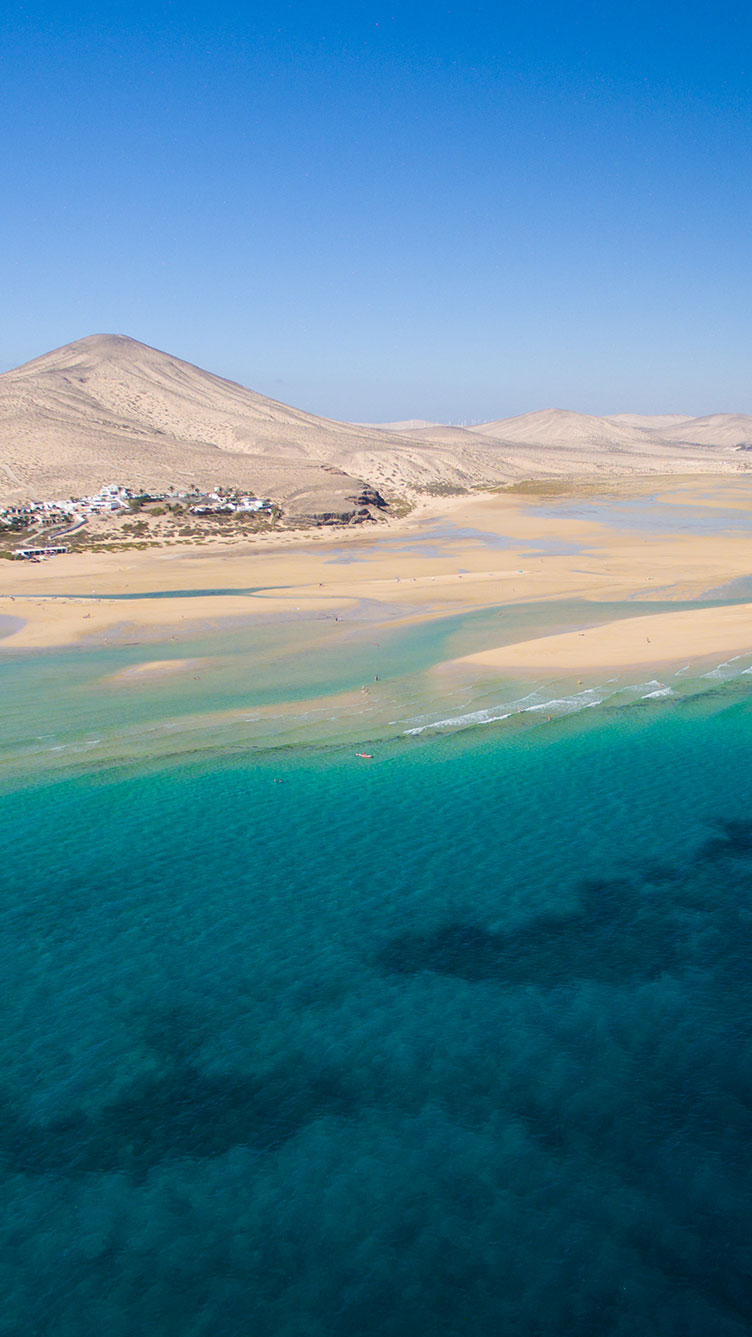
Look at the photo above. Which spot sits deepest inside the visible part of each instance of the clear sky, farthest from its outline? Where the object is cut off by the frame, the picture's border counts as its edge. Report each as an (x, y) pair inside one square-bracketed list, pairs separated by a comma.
[(378, 211)]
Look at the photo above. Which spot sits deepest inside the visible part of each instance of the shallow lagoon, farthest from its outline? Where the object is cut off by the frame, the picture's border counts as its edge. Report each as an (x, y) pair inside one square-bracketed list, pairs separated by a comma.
[(363, 677), (649, 515)]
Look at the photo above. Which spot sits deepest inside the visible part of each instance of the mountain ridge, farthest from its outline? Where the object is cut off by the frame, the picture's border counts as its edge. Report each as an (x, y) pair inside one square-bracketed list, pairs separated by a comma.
[(107, 408)]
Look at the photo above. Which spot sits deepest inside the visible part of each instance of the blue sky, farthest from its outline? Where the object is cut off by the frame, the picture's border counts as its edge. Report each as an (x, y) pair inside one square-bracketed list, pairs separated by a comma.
[(387, 211)]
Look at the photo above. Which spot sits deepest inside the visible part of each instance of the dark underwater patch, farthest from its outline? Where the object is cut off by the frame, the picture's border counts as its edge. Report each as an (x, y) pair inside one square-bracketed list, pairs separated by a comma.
[(733, 840), (181, 1113), (614, 934)]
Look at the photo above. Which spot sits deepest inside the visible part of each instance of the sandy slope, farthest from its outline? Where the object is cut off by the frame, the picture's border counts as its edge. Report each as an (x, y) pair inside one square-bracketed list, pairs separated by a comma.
[(564, 427), (654, 422), (409, 425), (107, 408), (719, 429)]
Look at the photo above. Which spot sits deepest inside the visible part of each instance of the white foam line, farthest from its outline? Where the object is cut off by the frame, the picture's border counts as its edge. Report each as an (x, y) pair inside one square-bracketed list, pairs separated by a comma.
[(641, 686), (75, 747), (475, 717), (718, 672), (570, 703), (584, 700)]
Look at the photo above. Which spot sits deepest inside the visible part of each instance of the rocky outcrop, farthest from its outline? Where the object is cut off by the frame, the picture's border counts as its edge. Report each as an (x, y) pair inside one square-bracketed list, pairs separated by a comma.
[(369, 497), (338, 500)]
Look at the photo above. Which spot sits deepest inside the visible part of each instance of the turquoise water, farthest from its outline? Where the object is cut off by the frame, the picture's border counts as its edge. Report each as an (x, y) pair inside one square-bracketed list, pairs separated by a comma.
[(451, 1042), (252, 685)]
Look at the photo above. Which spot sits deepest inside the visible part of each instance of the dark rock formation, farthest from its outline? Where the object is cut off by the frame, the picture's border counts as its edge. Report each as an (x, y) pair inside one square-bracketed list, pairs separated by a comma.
[(339, 500)]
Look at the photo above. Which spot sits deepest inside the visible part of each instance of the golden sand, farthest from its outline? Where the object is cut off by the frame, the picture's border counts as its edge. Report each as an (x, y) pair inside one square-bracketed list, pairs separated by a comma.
[(420, 567), (639, 642)]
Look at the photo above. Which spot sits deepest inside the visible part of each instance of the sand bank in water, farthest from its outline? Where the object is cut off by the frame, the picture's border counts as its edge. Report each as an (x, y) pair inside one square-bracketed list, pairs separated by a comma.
[(156, 668), (56, 621), (457, 554), (656, 639)]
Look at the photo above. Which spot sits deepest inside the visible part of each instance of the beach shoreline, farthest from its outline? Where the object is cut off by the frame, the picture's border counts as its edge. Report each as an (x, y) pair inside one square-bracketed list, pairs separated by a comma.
[(452, 555), (654, 640)]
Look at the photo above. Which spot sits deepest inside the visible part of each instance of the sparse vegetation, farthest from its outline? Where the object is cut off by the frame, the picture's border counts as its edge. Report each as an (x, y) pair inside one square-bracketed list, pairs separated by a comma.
[(398, 505), (118, 518), (439, 489), (570, 486)]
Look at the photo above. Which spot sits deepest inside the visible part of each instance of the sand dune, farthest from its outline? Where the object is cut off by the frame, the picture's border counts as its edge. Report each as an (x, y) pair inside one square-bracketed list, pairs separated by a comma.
[(108, 408), (654, 422), (462, 436), (719, 429), (409, 425), (564, 427)]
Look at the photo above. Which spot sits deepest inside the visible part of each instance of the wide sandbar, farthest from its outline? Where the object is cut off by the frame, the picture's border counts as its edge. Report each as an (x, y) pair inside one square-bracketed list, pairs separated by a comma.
[(651, 640), (453, 554)]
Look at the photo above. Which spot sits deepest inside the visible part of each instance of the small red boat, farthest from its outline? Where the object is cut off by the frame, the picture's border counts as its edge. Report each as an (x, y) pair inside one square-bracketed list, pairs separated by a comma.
[(367, 756)]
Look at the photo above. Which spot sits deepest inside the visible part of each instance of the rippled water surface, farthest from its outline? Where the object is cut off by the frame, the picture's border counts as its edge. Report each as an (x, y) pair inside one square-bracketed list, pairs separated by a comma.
[(453, 1041), (252, 685)]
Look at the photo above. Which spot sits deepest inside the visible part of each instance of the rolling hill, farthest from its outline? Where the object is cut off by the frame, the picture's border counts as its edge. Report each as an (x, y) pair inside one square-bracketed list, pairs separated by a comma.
[(107, 408)]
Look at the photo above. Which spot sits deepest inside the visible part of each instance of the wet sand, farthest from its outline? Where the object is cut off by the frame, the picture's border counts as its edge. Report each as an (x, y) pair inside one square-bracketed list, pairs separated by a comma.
[(453, 554), (156, 668), (653, 641)]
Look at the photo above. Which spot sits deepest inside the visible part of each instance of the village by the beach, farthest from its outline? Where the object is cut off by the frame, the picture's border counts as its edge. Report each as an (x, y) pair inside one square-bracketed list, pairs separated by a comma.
[(670, 540)]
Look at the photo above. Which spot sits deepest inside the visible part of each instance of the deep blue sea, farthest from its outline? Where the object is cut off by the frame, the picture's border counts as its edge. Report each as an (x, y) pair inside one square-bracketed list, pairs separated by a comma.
[(456, 1041)]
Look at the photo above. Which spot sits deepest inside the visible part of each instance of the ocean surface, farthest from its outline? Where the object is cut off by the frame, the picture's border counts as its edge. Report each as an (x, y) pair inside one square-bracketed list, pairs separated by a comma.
[(451, 1041)]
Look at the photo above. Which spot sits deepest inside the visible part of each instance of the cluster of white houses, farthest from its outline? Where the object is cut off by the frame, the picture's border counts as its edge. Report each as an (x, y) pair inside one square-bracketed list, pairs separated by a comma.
[(108, 498), (74, 511), (113, 497), (223, 503)]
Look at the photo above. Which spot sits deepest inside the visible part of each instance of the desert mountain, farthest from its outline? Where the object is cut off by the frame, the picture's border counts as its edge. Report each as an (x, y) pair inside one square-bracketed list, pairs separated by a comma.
[(409, 425), (559, 427), (110, 409), (107, 408), (654, 422), (719, 429)]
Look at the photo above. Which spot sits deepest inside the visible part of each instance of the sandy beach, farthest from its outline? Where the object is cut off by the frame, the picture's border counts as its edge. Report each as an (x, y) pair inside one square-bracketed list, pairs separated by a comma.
[(653, 641), (681, 538)]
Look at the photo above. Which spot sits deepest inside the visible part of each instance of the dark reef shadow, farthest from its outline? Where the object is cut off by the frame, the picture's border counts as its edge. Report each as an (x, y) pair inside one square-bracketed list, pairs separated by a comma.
[(182, 1112), (614, 934)]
